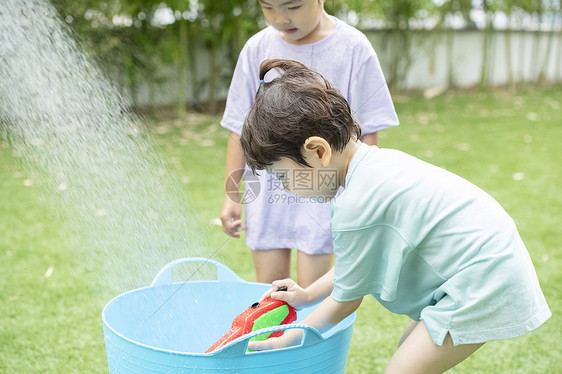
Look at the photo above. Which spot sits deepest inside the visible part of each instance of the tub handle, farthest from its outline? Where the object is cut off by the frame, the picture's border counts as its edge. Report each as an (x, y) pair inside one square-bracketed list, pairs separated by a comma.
[(224, 274), (239, 346)]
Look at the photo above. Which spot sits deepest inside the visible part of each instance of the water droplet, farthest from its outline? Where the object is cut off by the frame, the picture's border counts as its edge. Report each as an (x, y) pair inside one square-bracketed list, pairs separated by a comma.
[(70, 126)]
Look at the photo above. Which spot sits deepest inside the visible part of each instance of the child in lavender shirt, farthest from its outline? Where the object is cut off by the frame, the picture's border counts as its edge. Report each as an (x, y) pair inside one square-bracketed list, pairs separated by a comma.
[(276, 221)]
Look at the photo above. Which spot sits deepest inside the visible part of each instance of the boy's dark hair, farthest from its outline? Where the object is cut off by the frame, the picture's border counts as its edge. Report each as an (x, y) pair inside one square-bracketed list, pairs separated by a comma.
[(298, 104)]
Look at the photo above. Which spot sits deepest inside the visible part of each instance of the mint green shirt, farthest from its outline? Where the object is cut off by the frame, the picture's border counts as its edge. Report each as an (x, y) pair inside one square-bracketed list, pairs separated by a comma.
[(429, 244)]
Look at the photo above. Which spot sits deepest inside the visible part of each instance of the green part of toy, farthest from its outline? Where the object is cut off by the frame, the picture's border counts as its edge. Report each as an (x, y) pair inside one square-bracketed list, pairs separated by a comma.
[(272, 318)]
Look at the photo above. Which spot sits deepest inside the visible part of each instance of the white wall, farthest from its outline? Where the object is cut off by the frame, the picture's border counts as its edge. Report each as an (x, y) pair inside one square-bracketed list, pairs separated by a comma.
[(429, 57)]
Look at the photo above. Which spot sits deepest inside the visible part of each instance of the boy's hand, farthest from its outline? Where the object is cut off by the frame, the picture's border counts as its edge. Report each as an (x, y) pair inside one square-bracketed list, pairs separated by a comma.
[(295, 295), (289, 338), (326, 315)]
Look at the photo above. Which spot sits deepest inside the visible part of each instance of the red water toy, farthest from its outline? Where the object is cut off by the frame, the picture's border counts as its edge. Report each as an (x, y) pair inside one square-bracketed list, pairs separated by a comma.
[(268, 313)]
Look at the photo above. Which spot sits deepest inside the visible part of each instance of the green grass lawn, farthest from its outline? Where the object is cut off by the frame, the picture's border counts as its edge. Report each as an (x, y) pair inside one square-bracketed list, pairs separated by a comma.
[(510, 145)]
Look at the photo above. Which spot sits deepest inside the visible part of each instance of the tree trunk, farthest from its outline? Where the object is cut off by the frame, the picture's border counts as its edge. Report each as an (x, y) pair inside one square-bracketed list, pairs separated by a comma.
[(536, 45), (543, 74), (485, 69), (401, 58), (536, 53), (450, 35), (213, 75), (508, 59), (558, 72), (192, 66), (182, 68), (131, 80), (522, 57)]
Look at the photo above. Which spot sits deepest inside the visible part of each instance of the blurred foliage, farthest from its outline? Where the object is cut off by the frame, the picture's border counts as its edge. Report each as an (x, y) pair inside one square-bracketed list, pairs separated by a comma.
[(136, 38), (139, 36)]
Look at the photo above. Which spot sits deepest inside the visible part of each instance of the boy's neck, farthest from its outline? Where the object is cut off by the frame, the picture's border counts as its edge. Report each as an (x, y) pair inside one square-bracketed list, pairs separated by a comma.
[(342, 160)]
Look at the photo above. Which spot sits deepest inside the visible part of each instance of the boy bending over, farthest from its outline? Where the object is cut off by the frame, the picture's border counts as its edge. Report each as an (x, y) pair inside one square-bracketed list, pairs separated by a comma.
[(421, 240)]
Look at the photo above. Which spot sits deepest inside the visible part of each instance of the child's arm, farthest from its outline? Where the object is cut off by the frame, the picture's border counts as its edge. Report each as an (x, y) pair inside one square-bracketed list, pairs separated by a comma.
[(231, 211), (298, 297), (328, 314)]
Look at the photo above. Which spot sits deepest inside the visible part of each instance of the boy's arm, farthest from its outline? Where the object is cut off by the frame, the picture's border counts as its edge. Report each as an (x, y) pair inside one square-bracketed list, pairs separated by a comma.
[(231, 211), (298, 297), (330, 312), (326, 315)]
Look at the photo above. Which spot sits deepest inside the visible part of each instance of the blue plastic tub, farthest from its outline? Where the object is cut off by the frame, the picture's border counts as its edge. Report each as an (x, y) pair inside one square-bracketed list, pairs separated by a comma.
[(166, 327)]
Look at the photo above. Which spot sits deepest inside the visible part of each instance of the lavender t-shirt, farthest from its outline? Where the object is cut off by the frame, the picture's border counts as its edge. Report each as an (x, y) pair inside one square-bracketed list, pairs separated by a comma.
[(274, 218)]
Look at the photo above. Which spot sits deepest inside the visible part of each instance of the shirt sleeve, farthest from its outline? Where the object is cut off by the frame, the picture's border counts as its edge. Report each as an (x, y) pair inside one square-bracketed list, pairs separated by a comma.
[(368, 261), (370, 100), (241, 93)]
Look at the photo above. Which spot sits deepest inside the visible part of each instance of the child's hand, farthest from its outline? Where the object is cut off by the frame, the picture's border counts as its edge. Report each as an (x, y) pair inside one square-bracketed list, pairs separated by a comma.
[(295, 295), (289, 338), (230, 218)]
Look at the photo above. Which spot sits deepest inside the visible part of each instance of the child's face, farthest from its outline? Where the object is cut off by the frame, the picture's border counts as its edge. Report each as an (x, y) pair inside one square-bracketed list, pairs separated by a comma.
[(296, 20), (311, 182)]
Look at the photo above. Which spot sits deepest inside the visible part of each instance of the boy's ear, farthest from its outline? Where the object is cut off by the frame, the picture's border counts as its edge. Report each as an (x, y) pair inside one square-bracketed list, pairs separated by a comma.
[(317, 148)]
